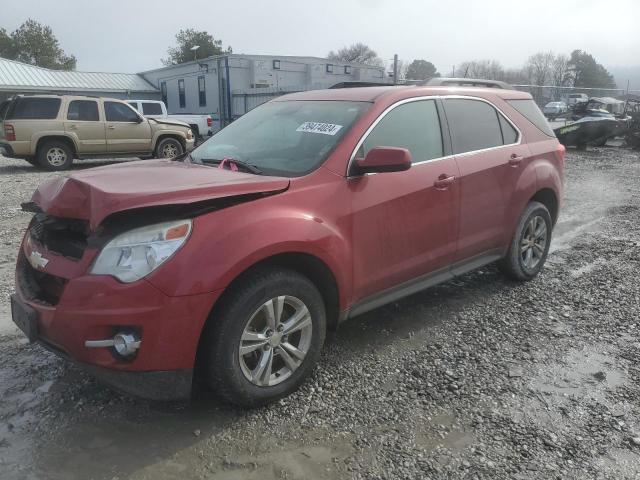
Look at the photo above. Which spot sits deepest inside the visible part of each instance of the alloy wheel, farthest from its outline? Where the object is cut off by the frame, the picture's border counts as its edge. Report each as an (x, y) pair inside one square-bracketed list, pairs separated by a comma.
[(56, 156), (169, 151), (275, 341), (534, 242)]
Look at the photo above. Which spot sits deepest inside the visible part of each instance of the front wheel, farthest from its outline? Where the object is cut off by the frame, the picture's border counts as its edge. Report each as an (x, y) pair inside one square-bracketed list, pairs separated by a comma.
[(169, 148), (265, 339), (530, 244)]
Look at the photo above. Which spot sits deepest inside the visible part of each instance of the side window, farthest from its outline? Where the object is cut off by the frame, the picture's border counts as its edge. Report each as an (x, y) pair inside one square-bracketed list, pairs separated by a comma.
[(120, 112), (181, 93), (163, 90), (509, 134), (150, 108), (414, 126), (33, 108), (202, 92), (83, 110), (474, 125), (134, 105)]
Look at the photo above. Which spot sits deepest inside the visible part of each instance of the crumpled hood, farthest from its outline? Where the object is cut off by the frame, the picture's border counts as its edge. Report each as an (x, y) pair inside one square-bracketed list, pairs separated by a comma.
[(166, 121), (96, 193)]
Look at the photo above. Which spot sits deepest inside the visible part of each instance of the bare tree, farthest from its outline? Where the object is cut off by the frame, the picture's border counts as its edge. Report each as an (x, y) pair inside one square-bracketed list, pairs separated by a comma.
[(539, 68), (356, 53), (485, 69)]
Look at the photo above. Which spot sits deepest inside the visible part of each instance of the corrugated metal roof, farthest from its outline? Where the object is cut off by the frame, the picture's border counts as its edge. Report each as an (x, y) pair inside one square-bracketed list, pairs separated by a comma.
[(17, 76)]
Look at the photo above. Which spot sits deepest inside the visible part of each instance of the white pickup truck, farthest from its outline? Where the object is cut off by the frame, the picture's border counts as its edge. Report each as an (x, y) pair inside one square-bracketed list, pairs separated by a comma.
[(202, 125)]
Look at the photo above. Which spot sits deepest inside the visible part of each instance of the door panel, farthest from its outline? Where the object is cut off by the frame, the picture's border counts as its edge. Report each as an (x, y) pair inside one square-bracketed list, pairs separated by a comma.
[(126, 130), (84, 122), (124, 137), (403, 226), (487, 185)]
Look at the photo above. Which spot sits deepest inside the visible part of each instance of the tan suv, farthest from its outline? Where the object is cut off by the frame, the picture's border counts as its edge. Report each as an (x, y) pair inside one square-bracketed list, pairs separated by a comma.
[(51, 130)]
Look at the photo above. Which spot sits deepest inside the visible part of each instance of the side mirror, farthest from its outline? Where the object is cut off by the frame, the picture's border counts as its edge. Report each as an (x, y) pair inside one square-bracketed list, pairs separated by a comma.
[(384, 159)]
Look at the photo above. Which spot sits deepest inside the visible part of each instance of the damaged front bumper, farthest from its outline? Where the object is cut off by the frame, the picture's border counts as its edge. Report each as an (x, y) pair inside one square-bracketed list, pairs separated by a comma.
[(60, 307)]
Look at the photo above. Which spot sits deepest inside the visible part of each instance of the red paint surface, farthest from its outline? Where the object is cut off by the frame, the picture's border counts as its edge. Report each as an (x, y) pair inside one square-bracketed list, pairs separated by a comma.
[(372, 232)]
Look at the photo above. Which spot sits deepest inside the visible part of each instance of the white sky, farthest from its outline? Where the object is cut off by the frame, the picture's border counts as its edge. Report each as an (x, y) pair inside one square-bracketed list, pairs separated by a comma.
[(133, 35)]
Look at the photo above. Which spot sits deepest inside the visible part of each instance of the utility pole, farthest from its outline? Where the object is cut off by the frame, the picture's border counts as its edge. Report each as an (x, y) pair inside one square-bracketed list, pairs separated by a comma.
[(395, 69)]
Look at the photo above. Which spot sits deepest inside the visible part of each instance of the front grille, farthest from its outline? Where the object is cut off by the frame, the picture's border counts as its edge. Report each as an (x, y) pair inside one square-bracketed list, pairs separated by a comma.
[(38, 286), (65, 236)]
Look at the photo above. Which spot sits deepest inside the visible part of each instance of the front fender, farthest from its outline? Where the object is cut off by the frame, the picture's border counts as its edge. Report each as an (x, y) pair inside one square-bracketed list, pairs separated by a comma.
[(226, 243), (168, 133)]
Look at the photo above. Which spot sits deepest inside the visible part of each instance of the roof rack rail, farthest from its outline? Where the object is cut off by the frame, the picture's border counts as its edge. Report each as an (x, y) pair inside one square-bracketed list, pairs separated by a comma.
[(467, 82)]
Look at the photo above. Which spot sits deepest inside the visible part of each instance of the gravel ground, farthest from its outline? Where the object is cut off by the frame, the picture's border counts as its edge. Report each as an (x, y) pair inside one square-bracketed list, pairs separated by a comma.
[(479, 378)]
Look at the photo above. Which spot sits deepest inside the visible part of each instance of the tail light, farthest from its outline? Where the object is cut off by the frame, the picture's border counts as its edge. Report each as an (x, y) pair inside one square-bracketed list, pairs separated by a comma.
[(209, 121), (560, 153), (9, 133)]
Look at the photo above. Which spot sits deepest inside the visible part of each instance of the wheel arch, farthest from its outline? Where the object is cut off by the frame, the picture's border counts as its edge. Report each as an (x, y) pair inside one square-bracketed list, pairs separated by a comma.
[(175, 136), (549, 199), (61, 138), (309, 265)]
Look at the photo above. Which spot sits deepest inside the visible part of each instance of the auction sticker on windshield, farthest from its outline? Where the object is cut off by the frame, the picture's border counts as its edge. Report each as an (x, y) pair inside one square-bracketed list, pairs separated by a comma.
[(317, 127)]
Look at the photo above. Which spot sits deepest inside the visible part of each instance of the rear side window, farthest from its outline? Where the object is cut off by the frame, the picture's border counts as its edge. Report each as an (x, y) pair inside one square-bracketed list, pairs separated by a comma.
[(414, 126), (509, 134), (531, 112), (119, 112), (83, 110), (30, 108), (474, 125), (149, 108), (3, 108)]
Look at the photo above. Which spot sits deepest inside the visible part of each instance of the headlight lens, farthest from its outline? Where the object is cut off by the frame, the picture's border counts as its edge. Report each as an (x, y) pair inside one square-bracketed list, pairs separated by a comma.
[(135, 254), (189, 134)]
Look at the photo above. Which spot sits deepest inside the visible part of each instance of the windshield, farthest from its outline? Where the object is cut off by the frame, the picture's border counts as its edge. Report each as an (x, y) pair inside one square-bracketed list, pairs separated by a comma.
[(287, 138)]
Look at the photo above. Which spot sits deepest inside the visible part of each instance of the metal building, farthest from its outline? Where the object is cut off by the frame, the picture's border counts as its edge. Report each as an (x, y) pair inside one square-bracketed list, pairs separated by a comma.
[(17, 77), (228, 86)]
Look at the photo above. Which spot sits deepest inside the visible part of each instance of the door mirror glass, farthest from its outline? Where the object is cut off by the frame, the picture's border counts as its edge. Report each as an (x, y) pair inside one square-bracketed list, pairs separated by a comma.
[(384, 159)]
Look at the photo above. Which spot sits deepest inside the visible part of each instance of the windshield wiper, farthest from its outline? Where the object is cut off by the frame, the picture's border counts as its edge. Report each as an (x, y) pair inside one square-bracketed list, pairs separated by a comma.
[(247, 166)]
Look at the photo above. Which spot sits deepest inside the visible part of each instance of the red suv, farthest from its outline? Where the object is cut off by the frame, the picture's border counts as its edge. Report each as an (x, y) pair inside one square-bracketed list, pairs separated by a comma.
[(234, 260)]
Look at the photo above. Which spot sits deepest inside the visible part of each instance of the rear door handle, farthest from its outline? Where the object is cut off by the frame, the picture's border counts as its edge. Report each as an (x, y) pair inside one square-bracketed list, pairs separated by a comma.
[(73, 126), (515, 159), (111, 127), (444, 181)]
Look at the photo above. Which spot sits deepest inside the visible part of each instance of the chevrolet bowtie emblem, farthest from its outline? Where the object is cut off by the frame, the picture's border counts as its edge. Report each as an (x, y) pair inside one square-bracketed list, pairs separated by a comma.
[(37, 261)]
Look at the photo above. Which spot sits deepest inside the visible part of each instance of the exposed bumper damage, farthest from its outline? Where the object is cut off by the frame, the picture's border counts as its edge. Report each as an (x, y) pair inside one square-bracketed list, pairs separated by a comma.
[(67, 307)]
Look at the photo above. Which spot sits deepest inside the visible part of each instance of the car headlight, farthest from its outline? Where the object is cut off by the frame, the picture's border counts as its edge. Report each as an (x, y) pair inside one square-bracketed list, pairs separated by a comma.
[(189, 134), (135, 254)]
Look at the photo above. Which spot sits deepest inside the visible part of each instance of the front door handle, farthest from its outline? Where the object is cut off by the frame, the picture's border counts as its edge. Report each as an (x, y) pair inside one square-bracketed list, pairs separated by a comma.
[(444, 181), (515, 159), (111, 127)]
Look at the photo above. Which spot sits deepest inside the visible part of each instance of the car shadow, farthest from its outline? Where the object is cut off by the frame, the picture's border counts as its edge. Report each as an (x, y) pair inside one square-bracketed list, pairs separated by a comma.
[(109, 435)]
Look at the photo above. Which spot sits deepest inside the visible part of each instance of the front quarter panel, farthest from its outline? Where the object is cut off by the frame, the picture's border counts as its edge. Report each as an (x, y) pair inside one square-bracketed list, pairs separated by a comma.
[(306, 219)]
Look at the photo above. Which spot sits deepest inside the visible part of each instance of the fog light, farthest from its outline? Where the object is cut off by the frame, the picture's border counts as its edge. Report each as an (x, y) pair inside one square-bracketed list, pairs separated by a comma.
[(125, 344)]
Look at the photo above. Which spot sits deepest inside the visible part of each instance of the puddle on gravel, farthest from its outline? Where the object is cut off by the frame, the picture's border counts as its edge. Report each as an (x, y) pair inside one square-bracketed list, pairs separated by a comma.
[(584, 373), (443, 432)]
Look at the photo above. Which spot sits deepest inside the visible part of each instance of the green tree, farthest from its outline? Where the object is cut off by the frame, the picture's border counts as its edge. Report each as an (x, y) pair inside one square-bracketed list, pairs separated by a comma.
[(35, 43), (6, 45), (421, 70), (189, 38), (586, 72), (356, 53)]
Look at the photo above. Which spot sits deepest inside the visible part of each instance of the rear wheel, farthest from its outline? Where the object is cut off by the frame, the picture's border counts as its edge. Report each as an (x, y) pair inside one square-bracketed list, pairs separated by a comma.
[(55, 155), (530, 244), (169, 148), (265, 339)]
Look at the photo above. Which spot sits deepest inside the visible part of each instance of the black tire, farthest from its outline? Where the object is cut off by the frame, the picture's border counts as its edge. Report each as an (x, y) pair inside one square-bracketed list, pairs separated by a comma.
[(168, 148), (55, 155), (219, 356), (513, 264)]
